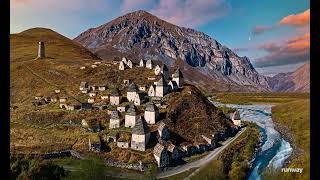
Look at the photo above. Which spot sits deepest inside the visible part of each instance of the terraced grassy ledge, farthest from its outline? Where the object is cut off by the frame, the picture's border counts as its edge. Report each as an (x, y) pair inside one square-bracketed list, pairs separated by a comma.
[(292, 120), (234, 161)]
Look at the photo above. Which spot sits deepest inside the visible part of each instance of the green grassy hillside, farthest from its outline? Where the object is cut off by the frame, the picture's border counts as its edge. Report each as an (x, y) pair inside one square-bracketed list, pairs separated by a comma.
[(60, 70), (24, 46)]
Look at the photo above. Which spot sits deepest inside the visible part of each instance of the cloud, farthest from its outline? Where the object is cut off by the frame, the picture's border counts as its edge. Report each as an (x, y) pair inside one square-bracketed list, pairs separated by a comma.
[(293, 50), (296, 20), (59, 5), (20, 1), (261, 29), (190, 13), (300, 19), (269, 47), (240, 49)]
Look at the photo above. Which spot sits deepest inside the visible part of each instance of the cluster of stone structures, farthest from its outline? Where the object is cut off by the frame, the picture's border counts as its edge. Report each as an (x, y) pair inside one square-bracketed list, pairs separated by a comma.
[(137, 96), (165, 152), (54, 97)]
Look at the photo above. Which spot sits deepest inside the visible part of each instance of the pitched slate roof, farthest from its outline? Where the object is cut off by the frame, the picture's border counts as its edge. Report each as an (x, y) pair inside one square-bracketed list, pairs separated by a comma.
[(158, 148), (174, 84), (132, 110), (151, 107), (132, 88), (161, 81), (115, 92), (164, 67), (178, 74), (140, 127), (114, 115)]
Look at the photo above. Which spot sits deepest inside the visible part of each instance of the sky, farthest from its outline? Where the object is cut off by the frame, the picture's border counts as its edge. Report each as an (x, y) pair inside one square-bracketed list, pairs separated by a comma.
[(274, 34)]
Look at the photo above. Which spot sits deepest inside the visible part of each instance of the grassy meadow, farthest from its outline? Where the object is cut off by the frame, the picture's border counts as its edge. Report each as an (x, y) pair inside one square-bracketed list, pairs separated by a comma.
[(293, 121)]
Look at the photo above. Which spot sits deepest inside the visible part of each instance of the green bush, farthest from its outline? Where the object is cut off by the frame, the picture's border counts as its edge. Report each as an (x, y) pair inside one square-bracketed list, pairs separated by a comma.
[(27, 168)]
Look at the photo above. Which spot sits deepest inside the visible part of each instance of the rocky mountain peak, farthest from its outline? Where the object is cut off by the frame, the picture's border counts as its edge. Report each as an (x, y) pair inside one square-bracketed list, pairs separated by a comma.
[(140, 34)]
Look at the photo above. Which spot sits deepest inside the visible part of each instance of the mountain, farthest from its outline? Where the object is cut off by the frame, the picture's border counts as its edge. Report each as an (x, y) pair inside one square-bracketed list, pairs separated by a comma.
[(206, 63), (297, 81)]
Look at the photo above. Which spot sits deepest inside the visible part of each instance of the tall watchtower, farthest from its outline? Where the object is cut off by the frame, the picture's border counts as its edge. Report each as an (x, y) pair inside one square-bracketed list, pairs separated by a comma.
[(41, 50)]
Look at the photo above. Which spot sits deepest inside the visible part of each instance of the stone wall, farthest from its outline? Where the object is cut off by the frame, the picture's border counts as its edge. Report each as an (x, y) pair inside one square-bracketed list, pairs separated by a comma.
[(57, 154), (133, 166)]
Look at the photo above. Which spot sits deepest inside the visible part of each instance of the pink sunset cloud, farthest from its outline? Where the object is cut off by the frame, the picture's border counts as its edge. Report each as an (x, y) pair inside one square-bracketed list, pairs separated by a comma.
[(183, 13), (261, 29), (294, 50), (301, 20)]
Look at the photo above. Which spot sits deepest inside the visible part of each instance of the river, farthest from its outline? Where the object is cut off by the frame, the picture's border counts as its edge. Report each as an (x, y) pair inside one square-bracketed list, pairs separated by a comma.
[(274, 150)]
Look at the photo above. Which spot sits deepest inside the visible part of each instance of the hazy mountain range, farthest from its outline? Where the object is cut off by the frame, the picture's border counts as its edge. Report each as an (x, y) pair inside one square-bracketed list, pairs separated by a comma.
[(297, 81)]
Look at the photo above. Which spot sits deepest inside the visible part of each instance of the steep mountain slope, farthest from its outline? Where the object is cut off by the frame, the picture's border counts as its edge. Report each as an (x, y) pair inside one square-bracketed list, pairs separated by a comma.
[(297, 81), (142, 35)]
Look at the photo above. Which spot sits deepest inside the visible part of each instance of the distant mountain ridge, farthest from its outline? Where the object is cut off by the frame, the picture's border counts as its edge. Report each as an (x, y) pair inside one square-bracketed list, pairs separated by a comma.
[(204, 60), (297, 81)]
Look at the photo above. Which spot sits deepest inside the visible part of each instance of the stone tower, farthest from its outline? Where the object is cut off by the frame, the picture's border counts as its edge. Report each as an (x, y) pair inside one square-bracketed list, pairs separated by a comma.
[(41, 50), (161, 87), (140, 135), (178, 78)]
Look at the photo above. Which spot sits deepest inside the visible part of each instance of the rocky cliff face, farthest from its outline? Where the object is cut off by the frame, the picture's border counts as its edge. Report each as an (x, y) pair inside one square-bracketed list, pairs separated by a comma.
[(297, 81), (142, 35)]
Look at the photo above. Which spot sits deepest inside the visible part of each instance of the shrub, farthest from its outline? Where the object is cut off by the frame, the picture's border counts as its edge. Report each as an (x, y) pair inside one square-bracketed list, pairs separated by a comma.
[(27, 168)]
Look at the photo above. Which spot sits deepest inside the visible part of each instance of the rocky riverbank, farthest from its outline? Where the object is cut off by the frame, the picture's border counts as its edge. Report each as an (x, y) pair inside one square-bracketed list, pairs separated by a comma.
[(287, 136), (256, 151)]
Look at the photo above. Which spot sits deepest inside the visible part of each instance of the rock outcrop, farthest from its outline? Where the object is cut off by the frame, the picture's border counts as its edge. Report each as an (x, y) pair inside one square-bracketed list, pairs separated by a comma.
[(142, 35)]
